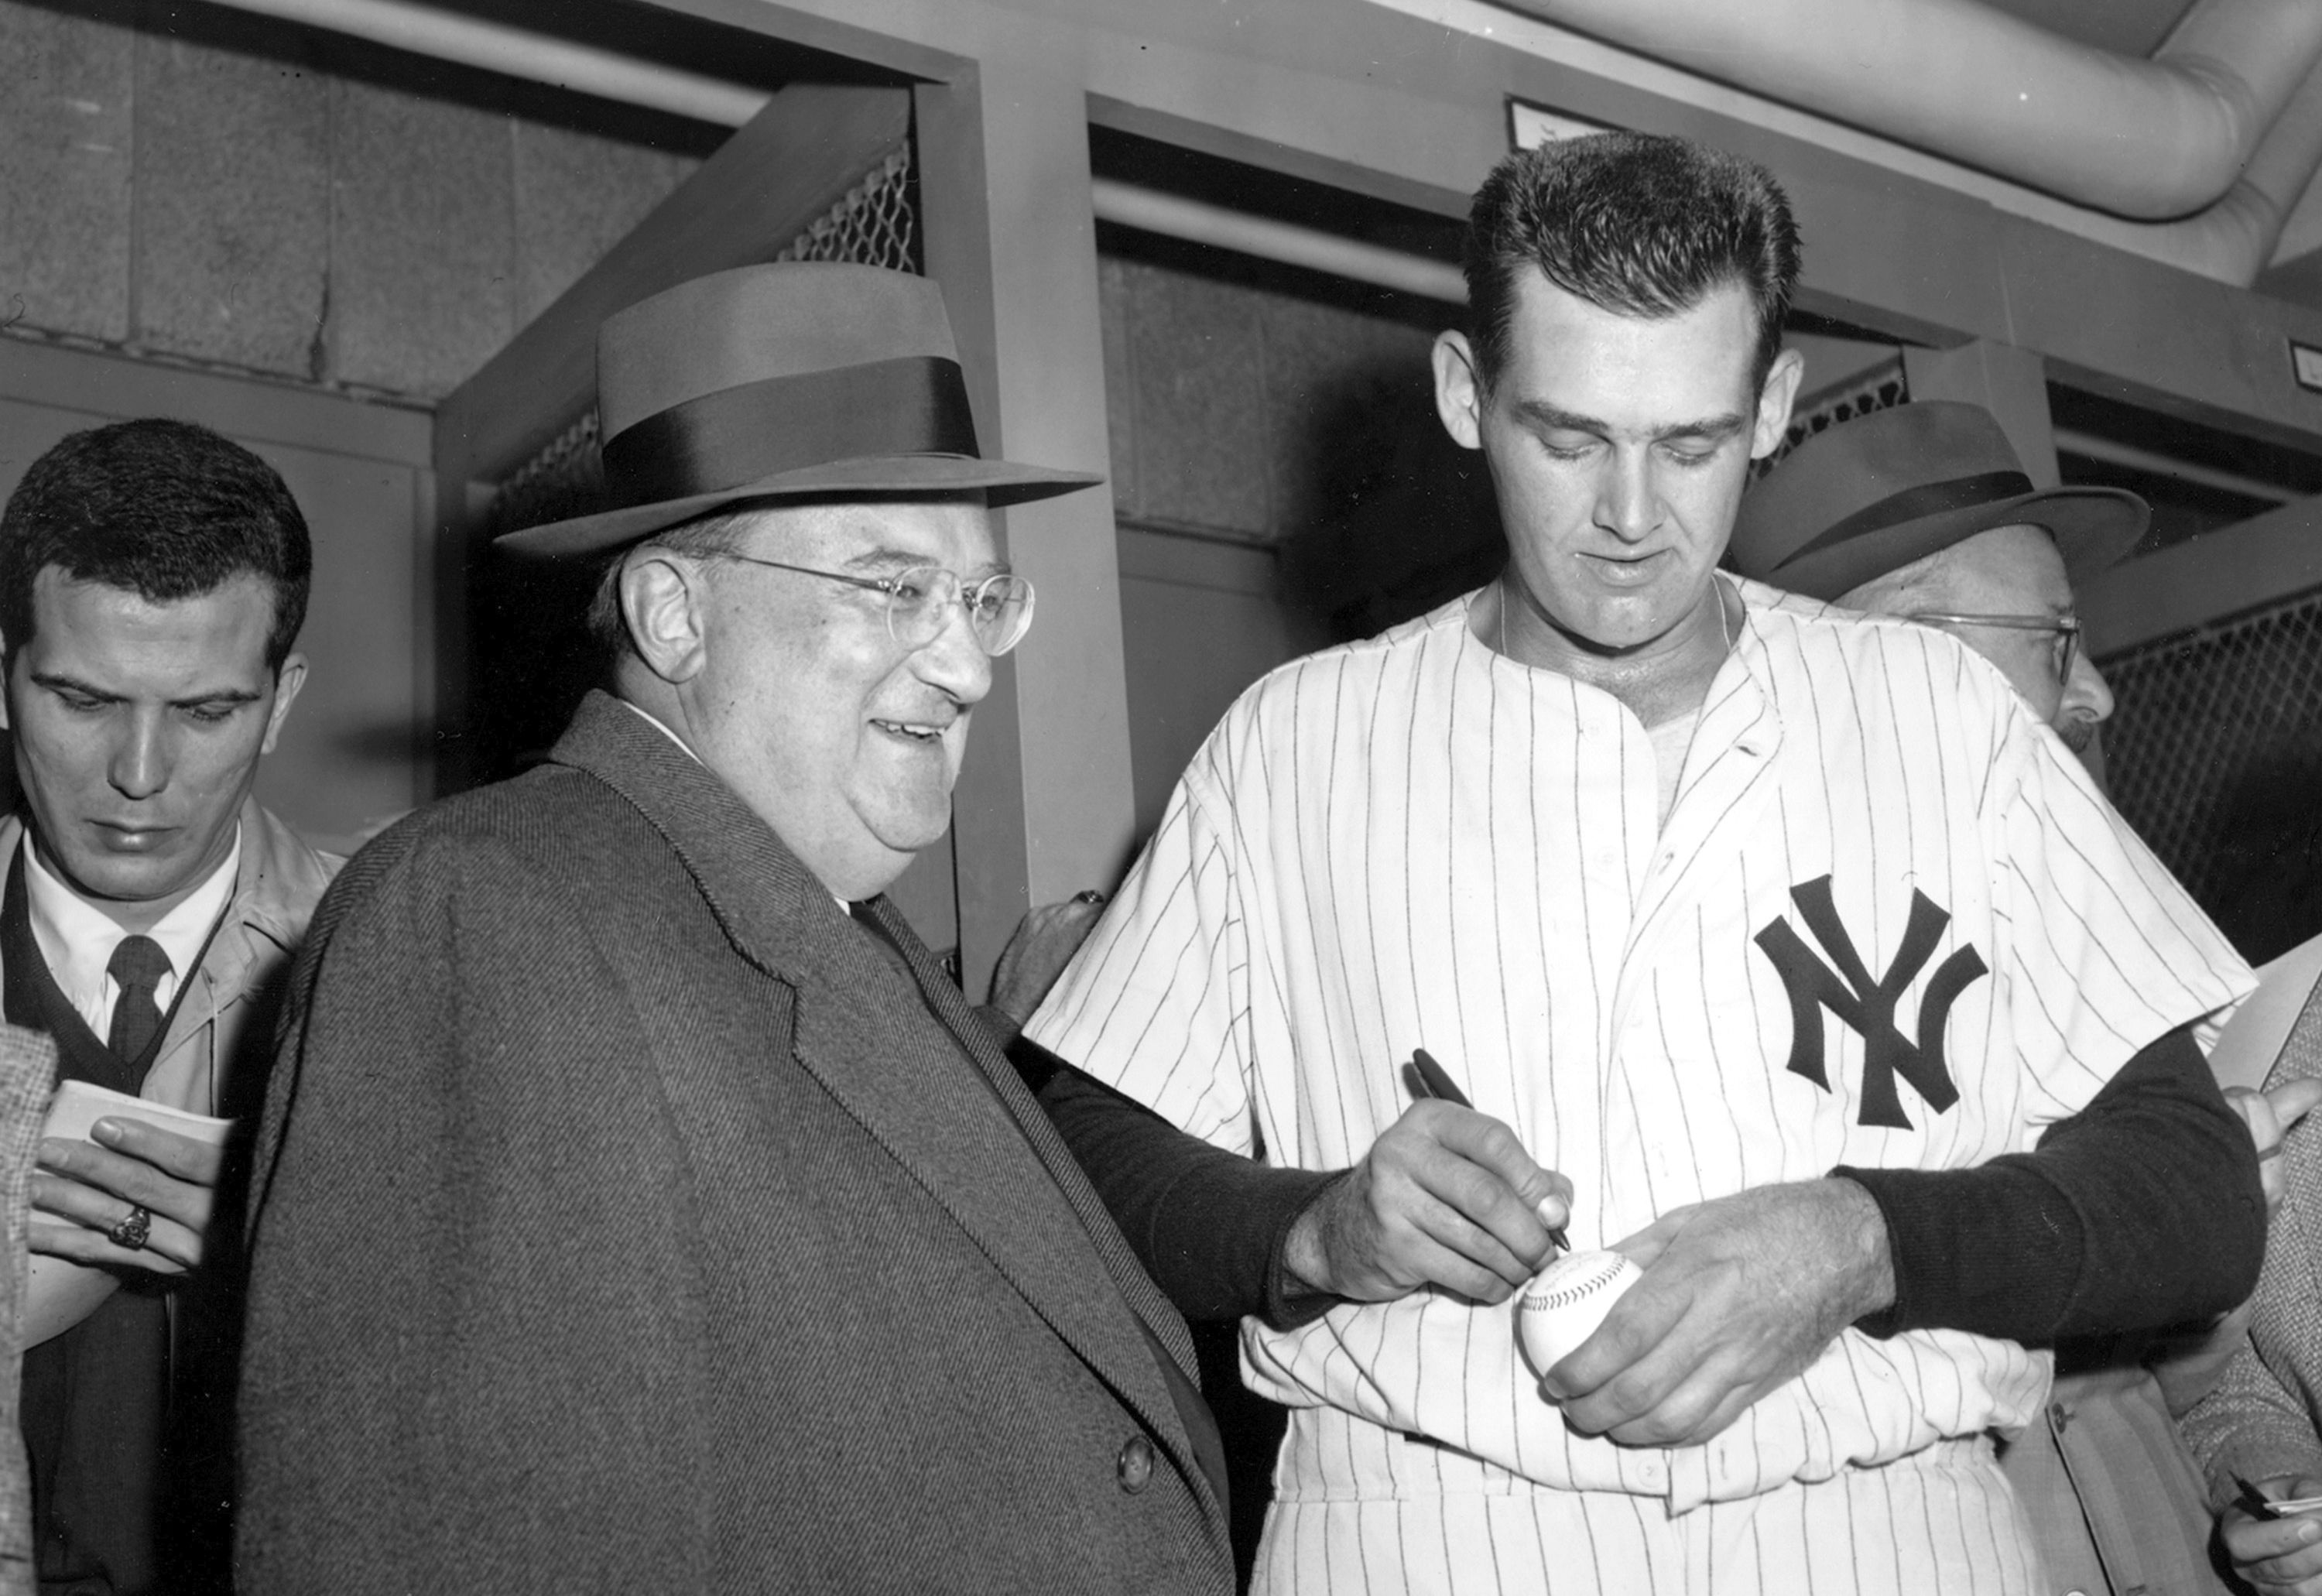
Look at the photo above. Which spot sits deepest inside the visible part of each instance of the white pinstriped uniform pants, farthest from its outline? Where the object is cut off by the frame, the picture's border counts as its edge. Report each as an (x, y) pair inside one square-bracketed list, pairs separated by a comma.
[(1941, 1522)]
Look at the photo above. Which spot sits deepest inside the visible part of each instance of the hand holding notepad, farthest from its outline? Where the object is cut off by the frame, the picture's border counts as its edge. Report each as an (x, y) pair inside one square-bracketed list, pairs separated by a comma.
[(79, 1105), (140, 1198)]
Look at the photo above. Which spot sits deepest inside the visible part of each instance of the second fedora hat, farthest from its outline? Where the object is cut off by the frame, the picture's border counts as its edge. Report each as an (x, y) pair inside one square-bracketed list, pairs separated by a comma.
[(1873, 494)]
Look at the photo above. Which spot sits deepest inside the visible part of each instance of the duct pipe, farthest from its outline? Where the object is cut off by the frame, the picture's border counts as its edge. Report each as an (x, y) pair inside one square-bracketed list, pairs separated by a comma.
[(515, 52), (2234, 239), (2150, 140)]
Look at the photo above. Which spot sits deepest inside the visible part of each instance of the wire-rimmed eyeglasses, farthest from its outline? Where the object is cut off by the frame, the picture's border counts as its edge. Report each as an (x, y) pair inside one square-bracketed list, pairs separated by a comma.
[(919, 598), (2065, 631)]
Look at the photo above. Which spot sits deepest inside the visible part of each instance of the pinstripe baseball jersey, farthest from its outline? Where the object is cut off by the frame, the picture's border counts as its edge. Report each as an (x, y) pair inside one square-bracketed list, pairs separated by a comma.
[(1888, 921)]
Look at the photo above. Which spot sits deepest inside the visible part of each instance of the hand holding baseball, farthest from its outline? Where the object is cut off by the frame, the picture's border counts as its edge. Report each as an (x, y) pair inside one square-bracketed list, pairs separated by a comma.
[(2277, 1554), (1738, 1295), (1446, 1197)]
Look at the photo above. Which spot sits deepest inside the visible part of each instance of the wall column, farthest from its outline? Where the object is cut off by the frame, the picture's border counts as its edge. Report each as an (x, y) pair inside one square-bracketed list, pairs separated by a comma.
[(1044, 807), (2011, 383)]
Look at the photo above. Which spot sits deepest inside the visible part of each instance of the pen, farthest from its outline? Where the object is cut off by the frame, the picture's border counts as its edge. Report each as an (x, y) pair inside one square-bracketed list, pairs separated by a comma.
[(1434, 1080), (1427, 1078), (2249, 1497)]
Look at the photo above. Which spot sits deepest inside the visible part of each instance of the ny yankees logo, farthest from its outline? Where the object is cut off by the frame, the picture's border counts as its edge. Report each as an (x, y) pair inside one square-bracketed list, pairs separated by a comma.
[(1867, 1007)]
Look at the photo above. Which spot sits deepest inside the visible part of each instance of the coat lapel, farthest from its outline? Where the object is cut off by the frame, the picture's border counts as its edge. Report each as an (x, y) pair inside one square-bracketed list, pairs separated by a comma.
[(949, 1005), (928, 1092)]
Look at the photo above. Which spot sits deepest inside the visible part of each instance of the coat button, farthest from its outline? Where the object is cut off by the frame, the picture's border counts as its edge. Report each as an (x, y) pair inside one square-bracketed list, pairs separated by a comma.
[(1135, 1465), (2058, 1416)]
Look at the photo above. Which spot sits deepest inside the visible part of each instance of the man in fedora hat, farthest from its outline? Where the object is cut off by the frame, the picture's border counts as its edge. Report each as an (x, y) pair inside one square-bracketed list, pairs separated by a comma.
[(1785, 983), (1923, 511), (638, 1206)]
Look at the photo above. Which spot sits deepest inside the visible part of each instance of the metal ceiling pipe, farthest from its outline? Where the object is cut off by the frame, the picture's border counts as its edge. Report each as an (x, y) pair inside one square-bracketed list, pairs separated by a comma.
[(516, 52), (2090, 446), (1198, 221), (2149, 139)]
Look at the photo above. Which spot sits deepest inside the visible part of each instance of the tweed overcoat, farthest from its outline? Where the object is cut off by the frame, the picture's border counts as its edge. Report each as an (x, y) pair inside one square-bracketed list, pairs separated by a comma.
[(626, 1219)]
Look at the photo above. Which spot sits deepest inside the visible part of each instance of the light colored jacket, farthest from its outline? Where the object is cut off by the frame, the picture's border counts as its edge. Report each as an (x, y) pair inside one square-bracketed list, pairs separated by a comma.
[(225, 1019)]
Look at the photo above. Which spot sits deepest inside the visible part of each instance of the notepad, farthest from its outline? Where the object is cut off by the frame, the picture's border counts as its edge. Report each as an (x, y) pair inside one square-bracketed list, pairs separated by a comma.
[(78, 1105), (2254, 1038)]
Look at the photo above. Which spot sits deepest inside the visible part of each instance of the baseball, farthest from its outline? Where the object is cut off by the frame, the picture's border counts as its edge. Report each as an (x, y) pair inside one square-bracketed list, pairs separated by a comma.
[(1566, 1302)]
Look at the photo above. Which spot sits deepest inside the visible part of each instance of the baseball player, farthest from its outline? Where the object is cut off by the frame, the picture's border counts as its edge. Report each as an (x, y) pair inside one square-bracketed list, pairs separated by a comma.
[(1783, 938)]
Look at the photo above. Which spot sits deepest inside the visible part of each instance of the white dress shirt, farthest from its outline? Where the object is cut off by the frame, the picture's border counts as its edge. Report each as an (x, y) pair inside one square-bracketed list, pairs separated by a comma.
[(77, 938)]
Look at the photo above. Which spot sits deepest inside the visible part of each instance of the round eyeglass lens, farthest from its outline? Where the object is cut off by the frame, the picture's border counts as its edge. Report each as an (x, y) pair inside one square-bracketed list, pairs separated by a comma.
[(919, 600)]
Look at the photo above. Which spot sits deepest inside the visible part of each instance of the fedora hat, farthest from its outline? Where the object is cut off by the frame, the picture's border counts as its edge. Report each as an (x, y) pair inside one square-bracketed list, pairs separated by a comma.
[(1873, 494), (775, 382)]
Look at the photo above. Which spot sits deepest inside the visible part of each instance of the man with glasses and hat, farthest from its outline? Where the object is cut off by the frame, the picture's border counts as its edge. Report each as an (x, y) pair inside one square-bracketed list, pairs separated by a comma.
[(1923, 511), (639, 1206)]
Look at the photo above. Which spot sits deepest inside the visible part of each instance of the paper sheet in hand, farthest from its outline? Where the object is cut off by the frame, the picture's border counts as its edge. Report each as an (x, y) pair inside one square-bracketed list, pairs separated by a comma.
[(79, 1105), (2252, 1038)]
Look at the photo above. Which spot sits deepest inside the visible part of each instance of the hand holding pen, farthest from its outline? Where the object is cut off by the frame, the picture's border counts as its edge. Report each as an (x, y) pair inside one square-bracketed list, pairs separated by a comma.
[(2276, 1543), (1427, 1079), (1445, 1197)]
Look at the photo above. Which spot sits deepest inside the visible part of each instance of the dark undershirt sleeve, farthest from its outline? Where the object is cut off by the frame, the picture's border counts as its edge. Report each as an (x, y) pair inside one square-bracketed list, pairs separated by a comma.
[(2141, 1211), (1209, 1226)]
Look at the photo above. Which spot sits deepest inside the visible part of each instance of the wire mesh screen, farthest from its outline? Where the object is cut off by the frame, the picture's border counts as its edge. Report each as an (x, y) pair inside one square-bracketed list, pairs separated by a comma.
[(1881, 387), (874, 224), (2214, 754), (562, 480)]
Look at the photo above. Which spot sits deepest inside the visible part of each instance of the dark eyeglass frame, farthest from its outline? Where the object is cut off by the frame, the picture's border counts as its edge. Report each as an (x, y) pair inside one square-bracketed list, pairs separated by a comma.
[(2065, 627), (927, 618)]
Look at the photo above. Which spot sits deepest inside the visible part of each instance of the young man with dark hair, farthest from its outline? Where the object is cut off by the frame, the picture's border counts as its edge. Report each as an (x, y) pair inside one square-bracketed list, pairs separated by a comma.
[(1832, 991), (152, 579)]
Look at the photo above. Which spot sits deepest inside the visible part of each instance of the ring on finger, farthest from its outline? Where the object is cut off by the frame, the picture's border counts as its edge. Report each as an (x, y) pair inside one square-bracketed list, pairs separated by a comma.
[(131, 1229)]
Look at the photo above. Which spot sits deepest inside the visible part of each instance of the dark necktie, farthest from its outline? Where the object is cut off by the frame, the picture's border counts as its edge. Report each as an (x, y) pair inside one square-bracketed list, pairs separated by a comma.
[(138, 965)]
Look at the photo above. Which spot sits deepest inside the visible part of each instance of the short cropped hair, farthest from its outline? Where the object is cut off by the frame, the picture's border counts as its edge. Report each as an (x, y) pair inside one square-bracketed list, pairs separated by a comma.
[(1636, 224), (166, 509)]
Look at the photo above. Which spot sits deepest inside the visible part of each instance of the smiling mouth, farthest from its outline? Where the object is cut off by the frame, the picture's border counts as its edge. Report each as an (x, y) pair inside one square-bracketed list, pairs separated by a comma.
[(912, 731)]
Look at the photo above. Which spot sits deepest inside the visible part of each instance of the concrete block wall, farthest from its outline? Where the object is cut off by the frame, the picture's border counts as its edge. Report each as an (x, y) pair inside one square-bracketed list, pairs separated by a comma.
[(240, 201), (1265, 410), (1232, 405), (1280, 480)]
